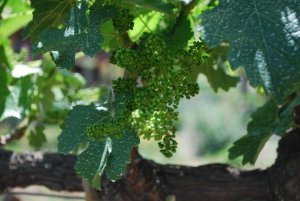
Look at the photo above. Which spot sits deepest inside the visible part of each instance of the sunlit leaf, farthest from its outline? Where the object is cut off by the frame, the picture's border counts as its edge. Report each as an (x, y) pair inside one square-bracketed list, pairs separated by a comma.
[(264, 37), (80, 32)]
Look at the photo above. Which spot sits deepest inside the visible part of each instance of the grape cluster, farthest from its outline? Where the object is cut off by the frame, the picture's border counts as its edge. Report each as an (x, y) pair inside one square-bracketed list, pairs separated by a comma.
[(123, 20), (196, 54), (165, 79), (125, 57)]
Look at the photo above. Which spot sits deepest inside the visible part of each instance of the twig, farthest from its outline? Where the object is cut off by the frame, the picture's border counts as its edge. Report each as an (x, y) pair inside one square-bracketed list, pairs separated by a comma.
[(17, 134), (146, 25)]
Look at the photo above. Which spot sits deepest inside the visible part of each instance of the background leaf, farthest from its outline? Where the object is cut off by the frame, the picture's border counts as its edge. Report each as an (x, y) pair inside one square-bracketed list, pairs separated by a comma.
[(213, 68), (4, 64), (157, 5), (13, 23), (37, 136)]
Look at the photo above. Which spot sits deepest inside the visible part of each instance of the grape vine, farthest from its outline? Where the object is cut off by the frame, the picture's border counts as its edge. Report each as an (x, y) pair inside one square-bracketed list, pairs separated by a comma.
[(157, 82), (154, 42)]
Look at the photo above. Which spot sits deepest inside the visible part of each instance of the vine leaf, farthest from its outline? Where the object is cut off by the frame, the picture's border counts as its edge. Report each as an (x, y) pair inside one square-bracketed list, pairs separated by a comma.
[(180, 34), (110, 155), (92, 162), (213, 68), (264, 37), (81, 31), (120, 154), (267, 120), (74, 128), (37, 137), (47, 13), (248, 147)]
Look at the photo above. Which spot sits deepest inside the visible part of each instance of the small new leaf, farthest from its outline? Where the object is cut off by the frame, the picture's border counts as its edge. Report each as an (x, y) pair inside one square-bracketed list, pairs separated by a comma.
[(249, 146), (180, 35), (267, 120)]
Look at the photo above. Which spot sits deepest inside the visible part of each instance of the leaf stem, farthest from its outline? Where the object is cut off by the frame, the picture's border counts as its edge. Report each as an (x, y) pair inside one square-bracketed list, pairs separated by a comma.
[(146, 25)]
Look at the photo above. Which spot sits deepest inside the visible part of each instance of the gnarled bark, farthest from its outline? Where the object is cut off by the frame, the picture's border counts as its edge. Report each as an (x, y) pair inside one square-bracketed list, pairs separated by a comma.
[(148, 181), (144, 180)]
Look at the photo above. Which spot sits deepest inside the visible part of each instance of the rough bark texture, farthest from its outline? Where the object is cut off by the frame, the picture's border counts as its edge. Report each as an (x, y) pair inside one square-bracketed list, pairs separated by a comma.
[(148, 181), (54, 171), (285, 180)]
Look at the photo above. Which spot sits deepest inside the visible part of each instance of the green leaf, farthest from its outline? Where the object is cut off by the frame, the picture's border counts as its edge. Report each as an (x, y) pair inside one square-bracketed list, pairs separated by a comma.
[(156, 5), (26, 93), (48, 13), (3, 79), (13, 23), (148, 22), (264, 37), (286, 117), (181, 33), (91, 163), (267, 120), (18, 6), (110, 156), (81, 31), (263, 119), (37, 137), (249, 147), (12, 108), (120, 155), (214, 69), (108, 32), (75, 126)]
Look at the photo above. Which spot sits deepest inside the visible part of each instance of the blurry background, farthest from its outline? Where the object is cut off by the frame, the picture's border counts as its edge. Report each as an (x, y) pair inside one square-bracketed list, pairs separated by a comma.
[(209, 123)]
